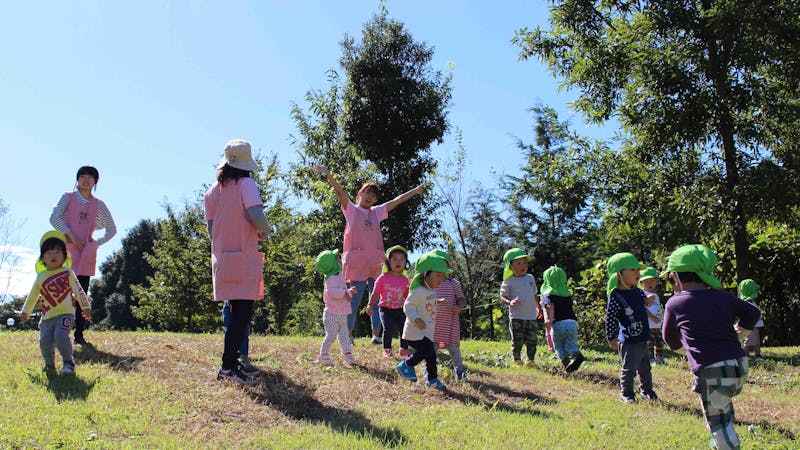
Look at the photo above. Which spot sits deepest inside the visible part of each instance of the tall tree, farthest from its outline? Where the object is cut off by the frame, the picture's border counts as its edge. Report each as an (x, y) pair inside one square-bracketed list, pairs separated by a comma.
[(394, 109), (9, 256), (718, 76)]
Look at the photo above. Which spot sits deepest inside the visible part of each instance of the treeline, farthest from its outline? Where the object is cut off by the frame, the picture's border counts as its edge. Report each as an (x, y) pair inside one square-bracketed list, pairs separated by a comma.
[(706, 98)]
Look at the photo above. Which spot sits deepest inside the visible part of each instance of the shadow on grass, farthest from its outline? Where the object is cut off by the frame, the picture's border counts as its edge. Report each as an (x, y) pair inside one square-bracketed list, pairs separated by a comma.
[(63, 387), (90, 354), (491, 399), (697, 412), (298, 402)]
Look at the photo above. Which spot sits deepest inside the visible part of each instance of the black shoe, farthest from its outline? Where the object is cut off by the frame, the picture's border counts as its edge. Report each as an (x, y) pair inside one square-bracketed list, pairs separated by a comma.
[(651, 396), (82, 341), (565, 362), (234, 375), (577, 360), (627, 398)]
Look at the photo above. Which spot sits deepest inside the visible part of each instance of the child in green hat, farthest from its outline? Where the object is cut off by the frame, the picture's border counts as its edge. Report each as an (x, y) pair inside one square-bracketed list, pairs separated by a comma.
[(626, 322), (336, 297), (519, 292), (558, 314), (420, 309), (699, 318), (448, 323), (648, 281), (748, 291)]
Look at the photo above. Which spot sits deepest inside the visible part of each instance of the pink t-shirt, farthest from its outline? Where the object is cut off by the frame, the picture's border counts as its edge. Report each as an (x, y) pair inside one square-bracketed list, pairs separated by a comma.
[(362, 255), (337, 302), (237, 265), (392, 289)]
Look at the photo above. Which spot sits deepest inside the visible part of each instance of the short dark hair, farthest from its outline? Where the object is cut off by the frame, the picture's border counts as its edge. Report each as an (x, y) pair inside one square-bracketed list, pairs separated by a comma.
[(227, 172), (88, 170), (690, 277), (52, 243), (386, 259)]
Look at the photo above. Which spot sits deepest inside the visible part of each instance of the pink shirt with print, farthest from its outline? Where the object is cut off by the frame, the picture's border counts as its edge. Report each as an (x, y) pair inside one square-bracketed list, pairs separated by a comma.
[(236, 264), (335, 296), (363, 256), (392, 289)]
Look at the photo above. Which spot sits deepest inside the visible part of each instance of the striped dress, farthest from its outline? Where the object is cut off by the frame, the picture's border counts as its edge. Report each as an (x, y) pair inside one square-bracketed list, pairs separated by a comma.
[(448, 325)]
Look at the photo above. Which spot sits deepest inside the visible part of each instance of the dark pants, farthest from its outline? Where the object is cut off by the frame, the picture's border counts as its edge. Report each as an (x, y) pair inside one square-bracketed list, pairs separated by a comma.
[(634, 360), (80, 322), (241, 315), (424, 350), (523, 332), (393, 320)]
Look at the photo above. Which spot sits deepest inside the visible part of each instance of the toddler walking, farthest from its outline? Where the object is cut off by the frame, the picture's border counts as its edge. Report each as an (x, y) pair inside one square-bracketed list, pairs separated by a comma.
[(337, 297), (390, 292), (448, 322)]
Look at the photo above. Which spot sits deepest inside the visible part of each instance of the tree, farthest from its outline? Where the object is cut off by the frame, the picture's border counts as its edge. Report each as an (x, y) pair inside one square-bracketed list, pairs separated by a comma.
[(9, 256), (715, 76), (112, 297)]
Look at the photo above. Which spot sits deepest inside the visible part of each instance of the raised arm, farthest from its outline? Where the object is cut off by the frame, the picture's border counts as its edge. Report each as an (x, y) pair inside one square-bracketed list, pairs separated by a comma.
[(402, 198), (343, 200)]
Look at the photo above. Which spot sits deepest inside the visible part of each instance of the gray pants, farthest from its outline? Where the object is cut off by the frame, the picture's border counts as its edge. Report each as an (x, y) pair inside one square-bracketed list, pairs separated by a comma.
[(455, 356), (54, 333), (635, 359)]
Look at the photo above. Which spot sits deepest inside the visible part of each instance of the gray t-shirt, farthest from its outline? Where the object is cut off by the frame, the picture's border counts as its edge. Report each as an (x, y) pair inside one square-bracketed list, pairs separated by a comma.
[(525, 288)]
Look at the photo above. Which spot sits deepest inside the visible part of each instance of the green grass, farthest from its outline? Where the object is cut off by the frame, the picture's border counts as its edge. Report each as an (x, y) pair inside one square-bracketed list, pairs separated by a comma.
[(158, 390)]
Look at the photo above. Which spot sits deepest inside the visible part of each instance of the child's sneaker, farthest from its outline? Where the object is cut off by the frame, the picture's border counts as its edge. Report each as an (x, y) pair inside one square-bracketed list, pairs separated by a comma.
[(575, 362), (434, 383), (627, 398), (404, 353), (247, 367), (387, 353), (407, 371), (376, 340), (349, 359), (529, 363), (651, 396), (517, 363), (233, 375), (68, 369), (660, 361), (461, 374), (324, 360)]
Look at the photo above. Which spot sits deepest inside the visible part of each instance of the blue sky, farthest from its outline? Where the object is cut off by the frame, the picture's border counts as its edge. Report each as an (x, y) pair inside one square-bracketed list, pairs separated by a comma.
[(148, 92)]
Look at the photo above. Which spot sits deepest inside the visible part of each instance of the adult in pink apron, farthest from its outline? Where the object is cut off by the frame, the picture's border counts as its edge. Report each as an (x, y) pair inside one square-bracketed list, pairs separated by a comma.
[(236, 223), (78, 214), (363, 253)]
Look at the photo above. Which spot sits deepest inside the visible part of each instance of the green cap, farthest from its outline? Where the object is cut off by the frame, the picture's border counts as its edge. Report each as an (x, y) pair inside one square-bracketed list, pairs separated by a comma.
[(327, 264), (696, 258), (647, 274), (617, 263), (748, 290), (427, 262), (511, 255), (555, 282)]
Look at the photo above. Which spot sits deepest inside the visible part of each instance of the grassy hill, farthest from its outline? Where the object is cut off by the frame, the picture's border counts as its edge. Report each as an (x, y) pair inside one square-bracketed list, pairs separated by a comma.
[(158, 390)]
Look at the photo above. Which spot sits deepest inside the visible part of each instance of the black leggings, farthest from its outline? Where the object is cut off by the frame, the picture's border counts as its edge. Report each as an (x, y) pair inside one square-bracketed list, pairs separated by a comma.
[(241, 314), (393, 320), (80, 322), (424, 350)]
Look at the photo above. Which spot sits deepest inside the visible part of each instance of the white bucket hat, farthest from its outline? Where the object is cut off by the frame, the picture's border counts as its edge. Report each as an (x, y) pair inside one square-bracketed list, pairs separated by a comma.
[(238, 155)]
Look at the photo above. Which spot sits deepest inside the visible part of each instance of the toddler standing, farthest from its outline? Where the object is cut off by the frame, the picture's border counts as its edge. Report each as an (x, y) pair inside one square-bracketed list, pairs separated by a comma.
[(390, 292), (448, 322), (655, 344), (518, 291), (561, 318), (337, 297)]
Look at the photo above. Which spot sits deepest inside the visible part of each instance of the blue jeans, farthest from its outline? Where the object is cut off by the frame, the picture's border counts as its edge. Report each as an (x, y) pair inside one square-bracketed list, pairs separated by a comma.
[(244, 347), (565, 337), (355, 304)]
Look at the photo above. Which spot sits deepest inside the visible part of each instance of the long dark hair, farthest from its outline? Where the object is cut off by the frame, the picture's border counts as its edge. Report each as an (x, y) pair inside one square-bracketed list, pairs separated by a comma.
[(227, 173)]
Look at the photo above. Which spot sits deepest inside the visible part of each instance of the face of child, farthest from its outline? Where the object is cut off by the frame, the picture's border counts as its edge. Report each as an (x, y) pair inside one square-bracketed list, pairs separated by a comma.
[(649, 284), (434, 279), (397, 262), (519, 266), (85, 182), (367, 197), (630, 277), (53, 258)]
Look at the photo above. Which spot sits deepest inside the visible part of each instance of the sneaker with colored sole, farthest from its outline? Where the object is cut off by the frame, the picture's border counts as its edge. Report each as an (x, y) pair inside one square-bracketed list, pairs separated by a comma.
[(434, 383), (387, 353), (404, 353), (407, 371)]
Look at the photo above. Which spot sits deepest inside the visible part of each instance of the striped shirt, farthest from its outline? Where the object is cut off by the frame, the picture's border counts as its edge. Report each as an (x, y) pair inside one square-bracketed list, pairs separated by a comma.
[(448, 325), (103, 220)]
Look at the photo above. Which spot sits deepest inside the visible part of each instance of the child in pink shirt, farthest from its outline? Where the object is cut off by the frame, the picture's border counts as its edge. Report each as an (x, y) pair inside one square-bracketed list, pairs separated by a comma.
[(391, 288), (362, 256), (336, 296)]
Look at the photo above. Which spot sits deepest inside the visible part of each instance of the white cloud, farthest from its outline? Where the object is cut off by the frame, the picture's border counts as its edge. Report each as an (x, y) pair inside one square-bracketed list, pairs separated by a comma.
[(17, 271)]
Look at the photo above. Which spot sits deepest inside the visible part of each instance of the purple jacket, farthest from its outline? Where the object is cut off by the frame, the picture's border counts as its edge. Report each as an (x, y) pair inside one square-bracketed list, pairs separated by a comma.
[(702, 322)]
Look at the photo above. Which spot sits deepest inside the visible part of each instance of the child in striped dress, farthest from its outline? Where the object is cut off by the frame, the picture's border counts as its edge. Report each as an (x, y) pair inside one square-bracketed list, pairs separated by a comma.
[(448, 323)]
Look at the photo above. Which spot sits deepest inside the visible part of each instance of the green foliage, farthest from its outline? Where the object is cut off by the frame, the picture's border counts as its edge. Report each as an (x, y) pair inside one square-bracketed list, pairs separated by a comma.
[(590, 304)]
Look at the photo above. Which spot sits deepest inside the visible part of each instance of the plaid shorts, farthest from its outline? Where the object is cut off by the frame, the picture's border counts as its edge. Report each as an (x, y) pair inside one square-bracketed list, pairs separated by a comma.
[(717, 384)]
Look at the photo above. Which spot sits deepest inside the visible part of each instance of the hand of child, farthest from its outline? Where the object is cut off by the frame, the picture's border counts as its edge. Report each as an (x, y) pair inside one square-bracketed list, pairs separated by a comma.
[(456, 309), (441, 301), (87, 314), (614, 344), (419, 323), (539, 314), (24, 318), (514, 302), (419, 190), (320, 169), (352, 290), (370, 307), (75, 241)]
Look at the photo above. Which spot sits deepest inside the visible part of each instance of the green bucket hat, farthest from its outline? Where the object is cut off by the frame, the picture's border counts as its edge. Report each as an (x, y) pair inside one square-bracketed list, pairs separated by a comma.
[(555, 282), (327, 264), (511, 255), (441, 253), (647, 274), (427, 262), (696, 258), (748, 290), (617, 263)]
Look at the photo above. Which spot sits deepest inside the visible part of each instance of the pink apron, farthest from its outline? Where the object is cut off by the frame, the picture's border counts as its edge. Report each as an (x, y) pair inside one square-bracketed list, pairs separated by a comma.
[(81, 219)]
